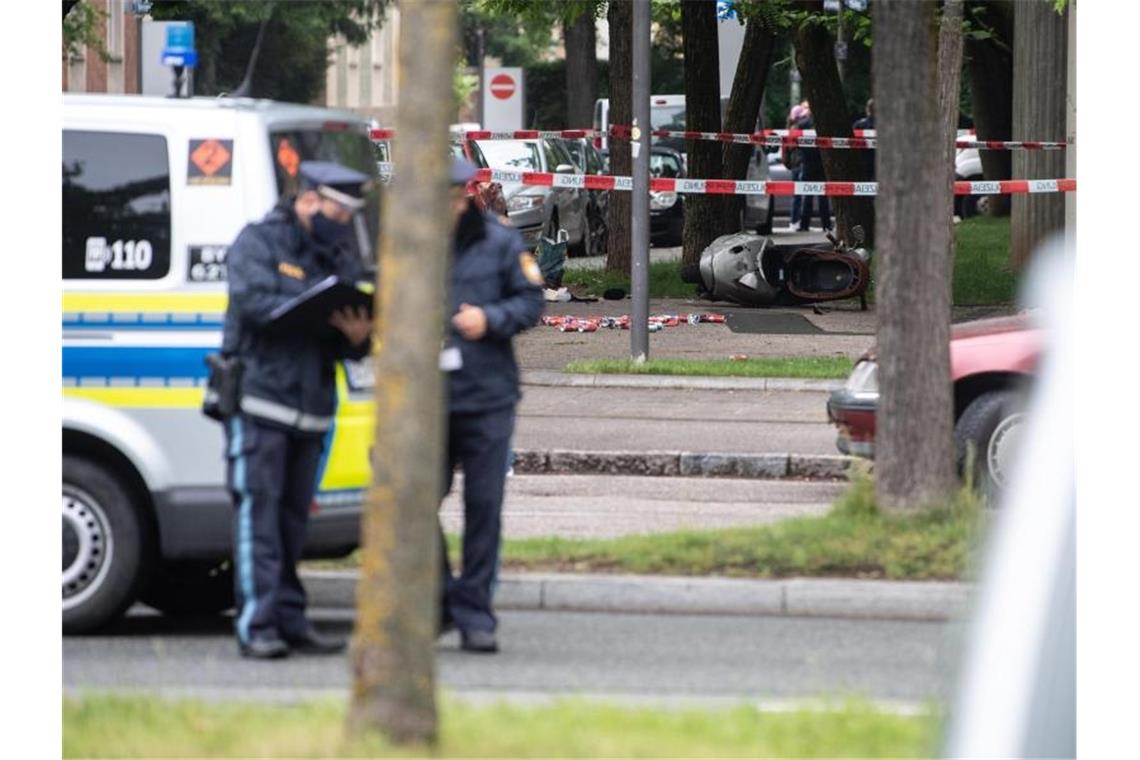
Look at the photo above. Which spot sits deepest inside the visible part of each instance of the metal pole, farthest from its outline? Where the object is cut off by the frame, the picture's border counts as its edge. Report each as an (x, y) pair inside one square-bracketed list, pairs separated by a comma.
[(639, 230)]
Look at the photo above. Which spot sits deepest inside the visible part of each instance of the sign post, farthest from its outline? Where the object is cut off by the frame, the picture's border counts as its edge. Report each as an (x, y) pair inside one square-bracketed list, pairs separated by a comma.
[(504, 98)]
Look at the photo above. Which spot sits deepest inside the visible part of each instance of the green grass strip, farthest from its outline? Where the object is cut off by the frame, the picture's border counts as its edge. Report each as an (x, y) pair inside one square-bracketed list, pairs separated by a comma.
[(811, 367), (97, 725), (854, 540)]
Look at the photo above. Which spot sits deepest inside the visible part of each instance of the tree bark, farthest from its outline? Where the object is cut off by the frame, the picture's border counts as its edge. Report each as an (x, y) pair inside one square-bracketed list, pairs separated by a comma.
[(743, 112), (815, 59), (989, 63), (393, 647), (1039, 82), (702, 114), (949, 93), (620, 17), (581, 69), (914, 455)]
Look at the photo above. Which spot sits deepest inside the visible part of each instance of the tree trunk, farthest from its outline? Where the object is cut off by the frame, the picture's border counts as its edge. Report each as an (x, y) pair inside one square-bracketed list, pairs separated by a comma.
[(581, 69), (989, 63), (620, 17), (1039, 81), (815, 59), (949, 92), (914, 455), (702, 114), (397, 612), (743, 112)]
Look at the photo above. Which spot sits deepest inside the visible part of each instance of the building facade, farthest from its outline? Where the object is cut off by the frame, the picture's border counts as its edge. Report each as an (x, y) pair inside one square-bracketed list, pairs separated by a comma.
[(364, 78), (118, 29)]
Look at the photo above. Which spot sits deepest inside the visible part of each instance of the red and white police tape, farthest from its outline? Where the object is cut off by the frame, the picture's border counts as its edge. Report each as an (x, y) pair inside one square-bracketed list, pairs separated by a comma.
[(863, 139)]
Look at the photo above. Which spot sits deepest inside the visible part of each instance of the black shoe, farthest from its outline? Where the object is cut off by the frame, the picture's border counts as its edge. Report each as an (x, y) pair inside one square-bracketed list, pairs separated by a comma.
[(264, 648), (311, 642), (479, 641)]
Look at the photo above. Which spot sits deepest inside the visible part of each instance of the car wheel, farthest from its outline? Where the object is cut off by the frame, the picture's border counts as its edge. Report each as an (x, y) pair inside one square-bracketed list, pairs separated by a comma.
[(104, 545), (582, 247), (598, 235), (187, 589), (989, 428)]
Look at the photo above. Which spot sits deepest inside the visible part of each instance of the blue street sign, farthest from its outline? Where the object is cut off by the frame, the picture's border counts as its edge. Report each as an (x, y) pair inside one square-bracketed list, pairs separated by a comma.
[(179, 50)]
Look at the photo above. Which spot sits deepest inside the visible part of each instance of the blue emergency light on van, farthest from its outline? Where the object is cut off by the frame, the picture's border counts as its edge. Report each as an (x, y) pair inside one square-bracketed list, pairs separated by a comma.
[(179, 50)]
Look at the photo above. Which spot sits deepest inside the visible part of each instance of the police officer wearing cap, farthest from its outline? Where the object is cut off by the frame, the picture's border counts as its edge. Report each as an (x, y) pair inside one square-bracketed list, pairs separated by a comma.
[(495, 293), (288, 398)]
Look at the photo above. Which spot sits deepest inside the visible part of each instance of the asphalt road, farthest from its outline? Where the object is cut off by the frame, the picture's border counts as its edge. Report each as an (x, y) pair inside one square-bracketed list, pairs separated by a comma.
[(641, 419), (632, 657), (604, 506)]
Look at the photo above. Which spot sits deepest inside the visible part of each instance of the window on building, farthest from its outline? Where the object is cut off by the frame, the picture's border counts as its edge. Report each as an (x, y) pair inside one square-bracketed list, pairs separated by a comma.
[(116, 197)]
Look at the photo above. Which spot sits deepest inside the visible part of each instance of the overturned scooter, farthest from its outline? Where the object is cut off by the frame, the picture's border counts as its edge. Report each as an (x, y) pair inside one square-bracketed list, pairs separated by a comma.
[(751, 270)]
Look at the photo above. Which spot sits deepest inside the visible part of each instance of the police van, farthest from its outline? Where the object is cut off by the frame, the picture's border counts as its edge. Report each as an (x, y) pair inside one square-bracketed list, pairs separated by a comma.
[(154, 190)]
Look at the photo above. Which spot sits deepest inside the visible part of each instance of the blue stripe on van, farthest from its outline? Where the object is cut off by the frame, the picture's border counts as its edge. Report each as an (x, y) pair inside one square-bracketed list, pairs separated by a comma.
[(135, 361)]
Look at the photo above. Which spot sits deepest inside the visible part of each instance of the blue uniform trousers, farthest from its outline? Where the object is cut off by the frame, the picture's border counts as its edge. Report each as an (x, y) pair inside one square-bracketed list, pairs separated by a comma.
[(272, 475), (480, 442)]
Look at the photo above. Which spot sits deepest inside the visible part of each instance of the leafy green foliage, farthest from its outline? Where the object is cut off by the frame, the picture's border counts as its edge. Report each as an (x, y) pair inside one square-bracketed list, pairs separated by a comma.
[(294, 56), (81, 30)]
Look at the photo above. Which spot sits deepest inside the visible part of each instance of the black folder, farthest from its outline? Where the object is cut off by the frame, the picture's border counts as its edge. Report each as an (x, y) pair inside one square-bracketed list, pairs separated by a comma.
[(309, 312)]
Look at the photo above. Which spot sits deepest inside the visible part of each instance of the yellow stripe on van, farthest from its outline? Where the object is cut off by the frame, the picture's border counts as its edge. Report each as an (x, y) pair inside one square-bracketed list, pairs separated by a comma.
[(141, 398), (166, 303)]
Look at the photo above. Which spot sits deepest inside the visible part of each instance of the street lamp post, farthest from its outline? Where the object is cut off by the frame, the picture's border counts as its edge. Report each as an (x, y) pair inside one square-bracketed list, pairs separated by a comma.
[(639, 232)]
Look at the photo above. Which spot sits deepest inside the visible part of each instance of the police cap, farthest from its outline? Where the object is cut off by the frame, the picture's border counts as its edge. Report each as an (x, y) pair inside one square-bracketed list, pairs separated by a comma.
[(335, 182)]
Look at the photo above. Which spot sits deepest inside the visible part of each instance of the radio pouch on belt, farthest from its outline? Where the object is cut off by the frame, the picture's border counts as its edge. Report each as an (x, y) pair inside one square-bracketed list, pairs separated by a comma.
[(223, 388)]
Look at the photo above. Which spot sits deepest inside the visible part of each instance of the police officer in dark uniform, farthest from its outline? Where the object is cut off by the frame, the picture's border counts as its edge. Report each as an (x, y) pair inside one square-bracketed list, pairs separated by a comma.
[(288, 398), (495, 293)]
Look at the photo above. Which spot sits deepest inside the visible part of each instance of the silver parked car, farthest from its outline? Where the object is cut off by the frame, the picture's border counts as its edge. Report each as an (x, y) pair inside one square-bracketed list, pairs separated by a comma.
[(538, 211)]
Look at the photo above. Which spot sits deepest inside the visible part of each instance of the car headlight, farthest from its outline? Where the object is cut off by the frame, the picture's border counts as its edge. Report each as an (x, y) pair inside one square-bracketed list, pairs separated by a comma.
[(864, 380), (524, 202), (661, 201)]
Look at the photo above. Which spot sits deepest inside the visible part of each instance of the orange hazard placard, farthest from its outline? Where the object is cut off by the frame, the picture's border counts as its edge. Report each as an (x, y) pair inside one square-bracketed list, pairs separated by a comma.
[(211, 162), (288, 158)]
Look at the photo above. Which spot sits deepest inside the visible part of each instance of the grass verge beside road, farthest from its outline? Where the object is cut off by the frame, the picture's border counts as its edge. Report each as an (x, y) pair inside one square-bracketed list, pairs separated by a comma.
[(664, 281), (144, 726), (812, 367), (854, 540)]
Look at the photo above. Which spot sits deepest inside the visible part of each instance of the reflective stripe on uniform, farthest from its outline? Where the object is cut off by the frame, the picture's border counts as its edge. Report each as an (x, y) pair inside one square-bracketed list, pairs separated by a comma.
[(274, 412)]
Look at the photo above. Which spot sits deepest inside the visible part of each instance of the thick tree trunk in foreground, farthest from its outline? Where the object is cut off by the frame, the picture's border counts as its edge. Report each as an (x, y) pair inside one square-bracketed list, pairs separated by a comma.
[(743, 111), (914, 454), (989, 63), (949, 92), (397, 604), (1039, 82), (702, 114), (619, 209), (581, 69), (815, 59)]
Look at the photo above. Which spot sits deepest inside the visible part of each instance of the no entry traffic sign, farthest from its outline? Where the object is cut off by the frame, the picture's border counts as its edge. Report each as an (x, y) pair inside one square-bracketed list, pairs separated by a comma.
[(503, 92), (503, 86)]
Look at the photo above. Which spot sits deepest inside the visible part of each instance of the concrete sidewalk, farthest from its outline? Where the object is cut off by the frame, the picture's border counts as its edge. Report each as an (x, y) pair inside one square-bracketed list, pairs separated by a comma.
[(803, 597)]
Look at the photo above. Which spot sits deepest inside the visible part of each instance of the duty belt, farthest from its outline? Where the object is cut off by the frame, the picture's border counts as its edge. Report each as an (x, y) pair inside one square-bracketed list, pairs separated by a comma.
[(285, 415)]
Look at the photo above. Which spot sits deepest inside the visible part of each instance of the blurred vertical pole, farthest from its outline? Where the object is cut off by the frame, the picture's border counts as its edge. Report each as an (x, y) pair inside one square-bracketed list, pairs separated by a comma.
[(397, 602), (639, 232)]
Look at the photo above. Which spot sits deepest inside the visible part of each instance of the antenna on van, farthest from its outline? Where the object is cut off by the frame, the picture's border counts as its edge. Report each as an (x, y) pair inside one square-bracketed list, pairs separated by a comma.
[(243, 89)]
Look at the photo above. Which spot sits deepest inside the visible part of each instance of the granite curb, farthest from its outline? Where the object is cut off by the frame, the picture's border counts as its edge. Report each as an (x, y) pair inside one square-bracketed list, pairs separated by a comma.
[(563, 379), (680, 595), (683, 464)]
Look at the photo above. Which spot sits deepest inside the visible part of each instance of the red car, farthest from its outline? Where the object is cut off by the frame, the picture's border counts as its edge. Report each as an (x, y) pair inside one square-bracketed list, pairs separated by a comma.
[(991, 362)]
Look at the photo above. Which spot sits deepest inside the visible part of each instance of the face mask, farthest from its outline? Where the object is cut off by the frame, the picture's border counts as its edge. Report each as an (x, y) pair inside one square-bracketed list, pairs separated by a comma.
[(327, 232)]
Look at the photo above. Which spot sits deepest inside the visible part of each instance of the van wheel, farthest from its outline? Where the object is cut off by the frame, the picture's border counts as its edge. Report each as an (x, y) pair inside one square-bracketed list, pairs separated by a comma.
[(188, 589), (990, 427), (103, 545)]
